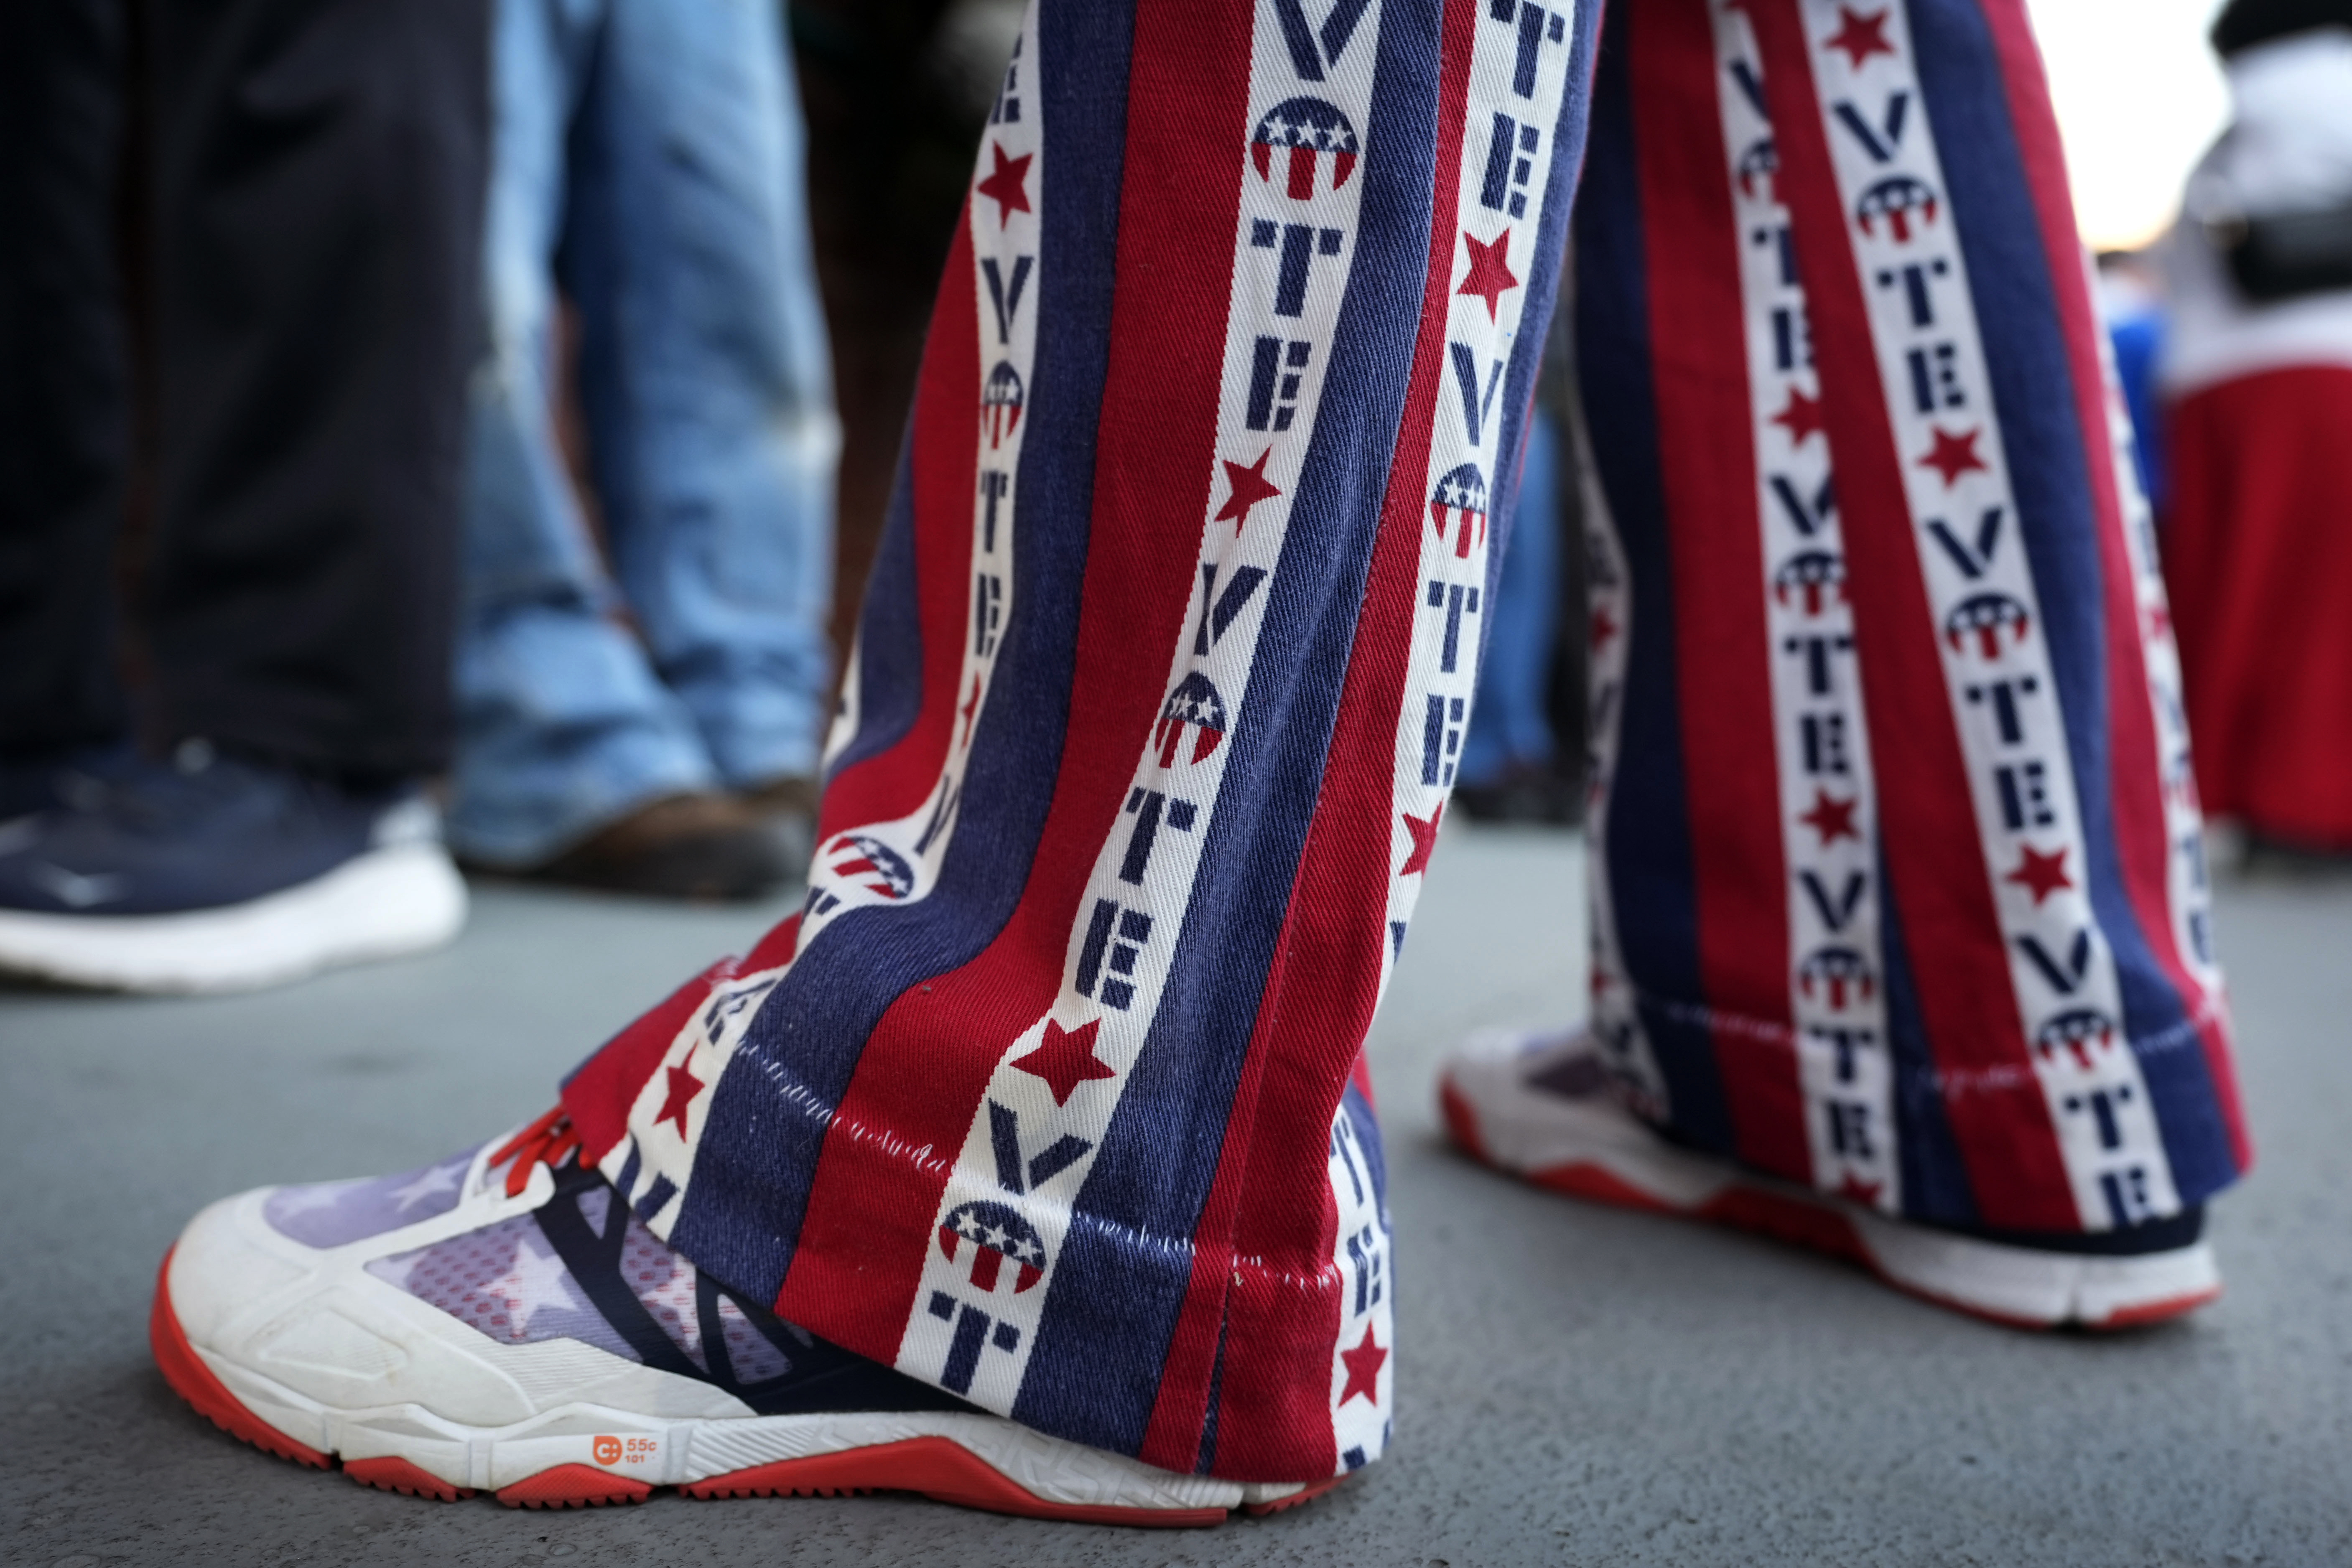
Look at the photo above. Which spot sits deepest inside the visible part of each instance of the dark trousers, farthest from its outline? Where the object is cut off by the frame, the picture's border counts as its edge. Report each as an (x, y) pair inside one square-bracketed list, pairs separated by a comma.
[(300, 229)]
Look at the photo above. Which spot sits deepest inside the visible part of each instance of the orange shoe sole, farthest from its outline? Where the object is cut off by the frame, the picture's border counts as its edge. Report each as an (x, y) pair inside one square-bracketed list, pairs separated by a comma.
[(936, 1468)]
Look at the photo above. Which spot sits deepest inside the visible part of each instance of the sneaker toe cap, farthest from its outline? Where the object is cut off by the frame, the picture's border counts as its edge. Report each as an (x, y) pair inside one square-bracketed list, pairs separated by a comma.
[(224, 1265)]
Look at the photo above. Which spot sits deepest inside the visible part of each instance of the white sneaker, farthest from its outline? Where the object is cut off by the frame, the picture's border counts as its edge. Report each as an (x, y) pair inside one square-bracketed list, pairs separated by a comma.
[(499, 1322), (1542, 1107)]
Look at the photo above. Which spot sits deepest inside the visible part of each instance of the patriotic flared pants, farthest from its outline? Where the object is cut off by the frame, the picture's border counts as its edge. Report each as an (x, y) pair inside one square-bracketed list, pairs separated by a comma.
[(1052, 1094)]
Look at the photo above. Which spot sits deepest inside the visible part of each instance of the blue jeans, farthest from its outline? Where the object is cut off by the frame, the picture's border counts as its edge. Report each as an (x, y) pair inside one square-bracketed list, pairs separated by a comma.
[(648, 157), (1510, 723)]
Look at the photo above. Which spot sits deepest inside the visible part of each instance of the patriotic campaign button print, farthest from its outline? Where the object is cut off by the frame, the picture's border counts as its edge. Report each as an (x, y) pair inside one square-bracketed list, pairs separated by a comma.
[(1981, 590), (892, 863), (1518, 76), (1297, 174), (1942, 957), (1052, 1094), (1827, 797)]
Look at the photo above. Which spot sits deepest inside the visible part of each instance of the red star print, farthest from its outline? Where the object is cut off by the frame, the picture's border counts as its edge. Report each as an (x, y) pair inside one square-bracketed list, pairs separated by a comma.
[(1490, 270), (970, 710), (1854, 1189), (1250, 487), (1424, 840), (1833, 820), (1008, 185), (1953, 455), (1861, 37), (1066, 1059), (2044, 874), (1802, 418), (1604, 628), (683, 1087), (1364, 1363)]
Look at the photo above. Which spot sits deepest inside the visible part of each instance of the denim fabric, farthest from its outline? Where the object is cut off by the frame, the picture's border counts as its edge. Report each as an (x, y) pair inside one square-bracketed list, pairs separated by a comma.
[(648, 160), (1509, 723)]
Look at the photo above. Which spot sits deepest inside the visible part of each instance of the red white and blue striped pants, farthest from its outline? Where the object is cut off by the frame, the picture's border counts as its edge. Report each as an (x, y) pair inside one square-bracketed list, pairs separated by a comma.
[(1053, 1091)]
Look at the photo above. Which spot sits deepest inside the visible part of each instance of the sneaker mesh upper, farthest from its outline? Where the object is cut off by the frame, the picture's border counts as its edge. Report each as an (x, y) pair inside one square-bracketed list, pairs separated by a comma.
[(664, 1282), (333, 1214), (505, 1281)]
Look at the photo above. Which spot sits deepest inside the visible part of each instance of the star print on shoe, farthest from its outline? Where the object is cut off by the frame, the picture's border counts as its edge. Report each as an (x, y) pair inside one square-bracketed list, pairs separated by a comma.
[(1543, 1108), (500, 1322)]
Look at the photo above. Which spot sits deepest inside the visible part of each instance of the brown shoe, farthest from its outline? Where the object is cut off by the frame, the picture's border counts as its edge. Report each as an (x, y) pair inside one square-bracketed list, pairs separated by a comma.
[(681, 846), (789, 806), (791, 795)]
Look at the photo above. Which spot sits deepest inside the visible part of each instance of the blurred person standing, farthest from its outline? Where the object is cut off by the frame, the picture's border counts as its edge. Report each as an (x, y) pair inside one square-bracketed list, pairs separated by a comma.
[(634, 711), (236, 303), (2258, 382)]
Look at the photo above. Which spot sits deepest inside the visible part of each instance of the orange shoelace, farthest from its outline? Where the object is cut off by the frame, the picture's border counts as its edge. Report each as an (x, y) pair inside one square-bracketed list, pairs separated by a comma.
[(545, 1142)]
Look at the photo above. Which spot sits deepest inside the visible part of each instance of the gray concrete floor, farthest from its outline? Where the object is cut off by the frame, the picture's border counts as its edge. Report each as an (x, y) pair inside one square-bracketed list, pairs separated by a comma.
[(1578, 1385)]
